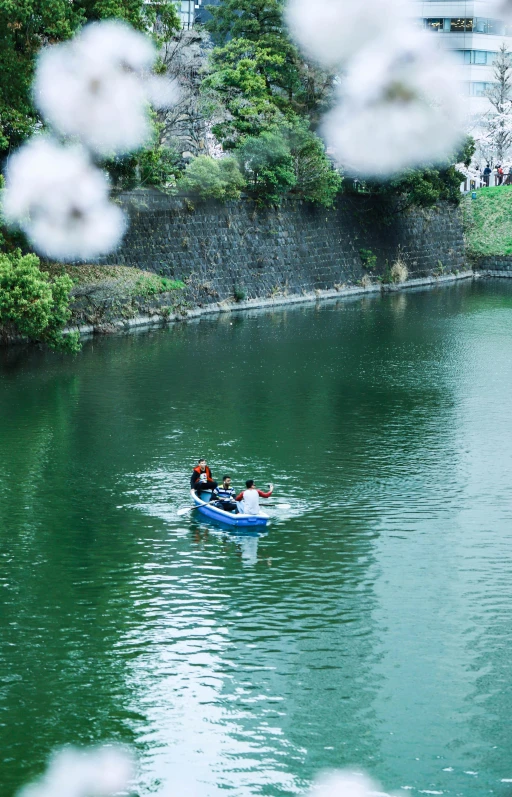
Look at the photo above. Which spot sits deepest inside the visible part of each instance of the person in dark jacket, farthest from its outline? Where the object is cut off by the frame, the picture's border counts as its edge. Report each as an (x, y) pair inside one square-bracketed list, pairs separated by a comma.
[(487, 174), (202, 478), (225, 495)]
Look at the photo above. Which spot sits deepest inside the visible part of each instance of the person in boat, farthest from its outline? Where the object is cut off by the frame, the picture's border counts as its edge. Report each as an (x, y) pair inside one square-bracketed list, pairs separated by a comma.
[(202, 479), (225, 496), (249, 499)]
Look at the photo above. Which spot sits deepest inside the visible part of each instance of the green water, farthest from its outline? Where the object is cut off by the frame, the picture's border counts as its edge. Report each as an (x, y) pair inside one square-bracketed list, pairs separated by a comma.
[(371, 626)]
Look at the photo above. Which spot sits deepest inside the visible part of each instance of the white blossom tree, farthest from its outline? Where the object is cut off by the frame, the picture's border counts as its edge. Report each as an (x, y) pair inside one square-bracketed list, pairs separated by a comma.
[(496, 139)]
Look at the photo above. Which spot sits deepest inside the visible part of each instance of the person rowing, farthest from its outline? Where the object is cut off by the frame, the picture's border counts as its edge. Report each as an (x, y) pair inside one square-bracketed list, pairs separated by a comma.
[(249, 499), (225, 496), (202, 479)]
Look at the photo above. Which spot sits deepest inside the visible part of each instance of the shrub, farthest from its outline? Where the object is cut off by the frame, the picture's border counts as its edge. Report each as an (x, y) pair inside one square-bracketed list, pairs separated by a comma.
[(368, 258), (399, 271), (213, 178), (267, 165), (33, 304), (239, 294)]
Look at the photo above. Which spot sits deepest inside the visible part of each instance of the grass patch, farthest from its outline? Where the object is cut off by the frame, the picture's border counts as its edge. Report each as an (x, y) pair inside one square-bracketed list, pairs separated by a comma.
[(113, 281), (488, 221)]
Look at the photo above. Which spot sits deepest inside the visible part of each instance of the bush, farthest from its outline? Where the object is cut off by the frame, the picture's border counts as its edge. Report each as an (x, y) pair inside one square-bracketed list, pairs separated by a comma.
[(399, 271), (33, 304), (268, 167), (368, 259), (213, 178)]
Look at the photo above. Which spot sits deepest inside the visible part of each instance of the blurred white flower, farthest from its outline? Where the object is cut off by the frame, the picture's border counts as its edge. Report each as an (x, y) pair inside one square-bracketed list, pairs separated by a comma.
[(343, 784), (331, 31), (60, 200), (97, 87), (98, 772), (400, 106), (502, 9)]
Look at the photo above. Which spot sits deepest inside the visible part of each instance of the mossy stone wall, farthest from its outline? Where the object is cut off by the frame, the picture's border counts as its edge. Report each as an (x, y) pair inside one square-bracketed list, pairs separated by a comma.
[(223, 250)]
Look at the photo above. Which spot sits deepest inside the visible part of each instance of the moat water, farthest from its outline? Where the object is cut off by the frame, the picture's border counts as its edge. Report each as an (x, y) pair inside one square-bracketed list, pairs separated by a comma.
[(370, 627)]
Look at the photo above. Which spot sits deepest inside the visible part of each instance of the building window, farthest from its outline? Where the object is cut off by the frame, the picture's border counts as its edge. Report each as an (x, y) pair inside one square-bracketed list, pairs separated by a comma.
[(434, 24), (479, 89), (477, 57), (461, 25)]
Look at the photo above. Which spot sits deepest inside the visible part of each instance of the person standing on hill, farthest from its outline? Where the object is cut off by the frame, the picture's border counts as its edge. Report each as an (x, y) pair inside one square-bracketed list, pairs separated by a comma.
[(202, 478), (249, 499), (487, 175)]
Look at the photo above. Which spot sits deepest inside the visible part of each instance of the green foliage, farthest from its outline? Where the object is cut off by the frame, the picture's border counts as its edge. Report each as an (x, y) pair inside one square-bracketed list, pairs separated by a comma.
[(368, 259), (28, 25), (151, 285), (488, 221), (316, 179), (137, 13), (238, 80), (419, 188), (425, 187), (466, 152), (213, 178), (154, 166), (239, 294), (257, 73), (268, 167), (25, 26), (33, 304)]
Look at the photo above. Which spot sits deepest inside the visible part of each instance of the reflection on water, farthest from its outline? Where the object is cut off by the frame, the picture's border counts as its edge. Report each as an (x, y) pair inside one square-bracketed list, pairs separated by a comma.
[(371, 623)]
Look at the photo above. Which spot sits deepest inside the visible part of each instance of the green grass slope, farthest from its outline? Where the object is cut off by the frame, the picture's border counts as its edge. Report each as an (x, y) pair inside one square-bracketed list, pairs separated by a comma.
[(488, 221)]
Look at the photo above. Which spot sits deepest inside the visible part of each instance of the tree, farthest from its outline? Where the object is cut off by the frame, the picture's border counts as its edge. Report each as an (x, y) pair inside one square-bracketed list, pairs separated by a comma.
[(213, 178), (239, 83), (498, 124), (28, 25), (254, 32), (25, 26), (424, 187), (267, 164), (316, 179)]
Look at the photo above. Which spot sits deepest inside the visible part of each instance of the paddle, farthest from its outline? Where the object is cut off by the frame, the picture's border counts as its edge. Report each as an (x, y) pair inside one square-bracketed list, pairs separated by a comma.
[(184, 510)]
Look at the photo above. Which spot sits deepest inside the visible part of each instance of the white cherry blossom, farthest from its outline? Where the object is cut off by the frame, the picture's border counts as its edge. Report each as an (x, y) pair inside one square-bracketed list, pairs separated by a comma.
[(344, 783), (399, 106), (100, 772), (60, 200), (98, 87), (331, 31)]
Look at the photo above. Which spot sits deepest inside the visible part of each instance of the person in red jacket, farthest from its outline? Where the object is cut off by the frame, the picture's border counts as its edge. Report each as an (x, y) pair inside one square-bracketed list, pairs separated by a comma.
[(250, 498), (202, 478)]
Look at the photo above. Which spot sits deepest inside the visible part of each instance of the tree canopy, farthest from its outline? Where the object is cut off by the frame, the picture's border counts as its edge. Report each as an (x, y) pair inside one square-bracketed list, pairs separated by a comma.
[(28, 25)]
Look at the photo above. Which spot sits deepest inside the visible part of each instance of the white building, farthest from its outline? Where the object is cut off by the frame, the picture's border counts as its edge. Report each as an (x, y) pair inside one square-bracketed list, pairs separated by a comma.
[(468, 28), (193, 11)]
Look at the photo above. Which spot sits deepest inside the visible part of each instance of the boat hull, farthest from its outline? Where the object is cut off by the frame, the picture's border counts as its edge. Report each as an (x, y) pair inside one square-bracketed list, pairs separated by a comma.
[(230, 518)]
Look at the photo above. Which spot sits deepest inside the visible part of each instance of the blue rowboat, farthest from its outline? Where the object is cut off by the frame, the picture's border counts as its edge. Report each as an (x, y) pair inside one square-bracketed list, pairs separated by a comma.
[(233, 519)]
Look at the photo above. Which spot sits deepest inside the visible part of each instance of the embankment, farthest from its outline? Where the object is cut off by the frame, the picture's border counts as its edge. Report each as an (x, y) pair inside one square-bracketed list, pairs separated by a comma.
[(237, 255)]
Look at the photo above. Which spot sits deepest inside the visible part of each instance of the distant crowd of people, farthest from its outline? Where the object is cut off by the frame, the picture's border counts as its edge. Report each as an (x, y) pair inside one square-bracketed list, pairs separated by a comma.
[(498, 172)]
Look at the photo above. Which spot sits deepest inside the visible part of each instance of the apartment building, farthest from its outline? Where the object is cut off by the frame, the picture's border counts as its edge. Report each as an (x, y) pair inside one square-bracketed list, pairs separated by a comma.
[(193, 11), (469, 29)]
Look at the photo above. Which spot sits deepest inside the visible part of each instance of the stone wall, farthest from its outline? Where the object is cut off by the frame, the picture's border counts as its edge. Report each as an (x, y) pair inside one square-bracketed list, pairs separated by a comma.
[(495, 265), (235, 249)]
